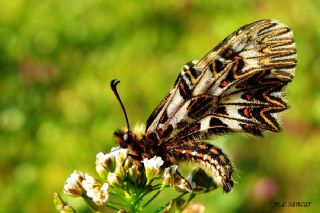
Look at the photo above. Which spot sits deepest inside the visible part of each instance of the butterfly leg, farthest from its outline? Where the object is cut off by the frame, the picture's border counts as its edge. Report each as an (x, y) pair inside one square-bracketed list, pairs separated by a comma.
[(135, 158), (181, 176)]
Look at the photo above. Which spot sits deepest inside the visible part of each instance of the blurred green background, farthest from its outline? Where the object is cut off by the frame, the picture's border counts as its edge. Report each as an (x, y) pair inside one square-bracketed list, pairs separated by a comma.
[(57, 111)]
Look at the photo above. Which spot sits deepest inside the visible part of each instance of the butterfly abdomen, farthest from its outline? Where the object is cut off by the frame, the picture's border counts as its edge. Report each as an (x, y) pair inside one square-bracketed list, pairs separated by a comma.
[(210, 157)]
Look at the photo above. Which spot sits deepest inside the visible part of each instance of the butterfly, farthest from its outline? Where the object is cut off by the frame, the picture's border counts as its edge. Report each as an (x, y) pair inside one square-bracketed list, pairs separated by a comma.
[(237, 87)]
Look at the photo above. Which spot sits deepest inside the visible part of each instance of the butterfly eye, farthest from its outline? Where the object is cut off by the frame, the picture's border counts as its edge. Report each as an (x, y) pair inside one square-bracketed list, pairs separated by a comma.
[(125, 137)]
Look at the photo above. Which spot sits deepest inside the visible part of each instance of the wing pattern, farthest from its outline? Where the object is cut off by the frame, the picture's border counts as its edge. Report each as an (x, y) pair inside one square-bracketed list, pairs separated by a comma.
[(237, 87)]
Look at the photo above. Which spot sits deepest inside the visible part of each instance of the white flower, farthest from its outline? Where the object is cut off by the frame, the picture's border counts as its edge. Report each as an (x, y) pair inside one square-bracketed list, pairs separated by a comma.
[(152, 167), (89, 183), (108, 162), (120, 155), (99, 194), (94, 190), (104, 163), (73, 186), (169, 175)]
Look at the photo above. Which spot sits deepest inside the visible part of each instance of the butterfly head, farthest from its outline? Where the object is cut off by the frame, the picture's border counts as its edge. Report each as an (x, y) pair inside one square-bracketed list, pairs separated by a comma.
[(125, 138)]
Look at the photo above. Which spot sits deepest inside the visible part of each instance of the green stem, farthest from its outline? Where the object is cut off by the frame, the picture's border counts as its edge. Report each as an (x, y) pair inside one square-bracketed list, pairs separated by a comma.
[(120, 194), (133, 205), (93, 206), (192, 195), (152, 198), (165, 205), (157, 187), (115, 203), (112, 207), (115, 191)]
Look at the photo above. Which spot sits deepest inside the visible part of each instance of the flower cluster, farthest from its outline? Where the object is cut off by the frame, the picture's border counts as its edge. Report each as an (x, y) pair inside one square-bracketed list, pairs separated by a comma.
[(124, 182)]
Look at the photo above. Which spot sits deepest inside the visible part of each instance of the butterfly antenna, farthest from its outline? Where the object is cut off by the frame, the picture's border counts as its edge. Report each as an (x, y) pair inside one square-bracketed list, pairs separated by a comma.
[(113, 86)]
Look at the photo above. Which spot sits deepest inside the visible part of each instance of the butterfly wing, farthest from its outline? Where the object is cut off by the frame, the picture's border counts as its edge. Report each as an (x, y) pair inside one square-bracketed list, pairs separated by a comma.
[(238, 86)]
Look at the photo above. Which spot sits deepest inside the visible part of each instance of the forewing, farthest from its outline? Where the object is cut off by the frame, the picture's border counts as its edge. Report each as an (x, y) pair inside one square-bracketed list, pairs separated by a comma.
[(238, 86)]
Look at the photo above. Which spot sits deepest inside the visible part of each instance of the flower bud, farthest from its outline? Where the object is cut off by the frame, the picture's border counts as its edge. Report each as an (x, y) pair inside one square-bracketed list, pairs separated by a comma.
[(132, 173), (120, 171), (99, 194), (152, 167), (114, 180), (95, 190), (127, 163), (136, 174), (90, 183), (169, 175), (104, 164), (61, 205), (184, 185), (73, 186), (121, 156)]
